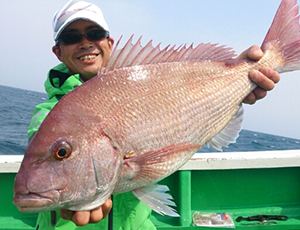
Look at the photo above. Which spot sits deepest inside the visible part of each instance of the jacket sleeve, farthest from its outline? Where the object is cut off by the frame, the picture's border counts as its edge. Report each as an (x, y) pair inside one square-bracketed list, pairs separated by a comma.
[(39, 115)]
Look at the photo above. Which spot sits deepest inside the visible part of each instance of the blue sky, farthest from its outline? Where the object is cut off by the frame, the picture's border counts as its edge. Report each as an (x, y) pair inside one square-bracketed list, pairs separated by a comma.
[(26, 43)]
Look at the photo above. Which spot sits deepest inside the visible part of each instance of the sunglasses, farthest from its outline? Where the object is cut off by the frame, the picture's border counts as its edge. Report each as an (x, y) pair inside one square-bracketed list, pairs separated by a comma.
[(75, 37)]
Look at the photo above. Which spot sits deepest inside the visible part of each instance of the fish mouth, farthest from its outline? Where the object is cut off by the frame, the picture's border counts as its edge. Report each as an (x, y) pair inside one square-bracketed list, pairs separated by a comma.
[(36, 202)]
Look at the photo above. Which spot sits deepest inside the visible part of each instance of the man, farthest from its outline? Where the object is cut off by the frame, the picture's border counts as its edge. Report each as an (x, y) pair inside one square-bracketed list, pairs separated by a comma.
[(83, 44)]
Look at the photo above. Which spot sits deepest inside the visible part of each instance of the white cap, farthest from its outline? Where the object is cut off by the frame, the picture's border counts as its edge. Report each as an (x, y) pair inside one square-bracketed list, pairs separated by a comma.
[(74, 10)]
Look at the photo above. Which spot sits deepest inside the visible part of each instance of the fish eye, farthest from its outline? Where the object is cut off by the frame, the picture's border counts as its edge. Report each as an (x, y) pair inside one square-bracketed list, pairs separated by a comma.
[(62, 150)]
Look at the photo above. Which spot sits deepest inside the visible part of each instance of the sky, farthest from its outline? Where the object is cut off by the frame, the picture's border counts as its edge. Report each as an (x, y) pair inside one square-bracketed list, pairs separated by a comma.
[(26, 43)]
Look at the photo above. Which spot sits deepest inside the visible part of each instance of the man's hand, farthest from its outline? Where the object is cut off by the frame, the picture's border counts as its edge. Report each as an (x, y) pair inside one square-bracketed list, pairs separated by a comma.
[(81, 218), (265, 78)]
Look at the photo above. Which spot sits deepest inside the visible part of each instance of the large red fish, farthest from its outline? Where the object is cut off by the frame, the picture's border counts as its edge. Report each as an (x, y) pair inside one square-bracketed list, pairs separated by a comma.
[(142, 118)]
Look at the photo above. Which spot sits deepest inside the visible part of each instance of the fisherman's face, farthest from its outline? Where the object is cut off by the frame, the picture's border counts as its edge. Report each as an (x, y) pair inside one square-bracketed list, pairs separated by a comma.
[(84, 57)]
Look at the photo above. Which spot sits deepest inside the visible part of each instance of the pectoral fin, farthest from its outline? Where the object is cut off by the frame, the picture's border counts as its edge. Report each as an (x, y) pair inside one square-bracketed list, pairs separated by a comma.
[(155, 165), (157, 199), (139, 172)]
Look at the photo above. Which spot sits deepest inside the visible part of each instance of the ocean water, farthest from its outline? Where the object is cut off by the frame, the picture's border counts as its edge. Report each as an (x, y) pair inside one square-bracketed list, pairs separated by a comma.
[(16, 109), (17, 106)]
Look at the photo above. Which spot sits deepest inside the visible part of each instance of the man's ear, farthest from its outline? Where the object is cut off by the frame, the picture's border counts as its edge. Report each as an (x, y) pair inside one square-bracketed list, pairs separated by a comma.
[(111, 42), (56, 51)]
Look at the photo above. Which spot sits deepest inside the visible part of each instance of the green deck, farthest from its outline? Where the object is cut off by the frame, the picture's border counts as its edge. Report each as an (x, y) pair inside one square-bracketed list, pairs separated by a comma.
[(242, 192)]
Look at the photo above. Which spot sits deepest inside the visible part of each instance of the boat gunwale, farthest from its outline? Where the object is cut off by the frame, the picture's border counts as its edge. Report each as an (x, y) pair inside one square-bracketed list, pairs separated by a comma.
[(205, 161)]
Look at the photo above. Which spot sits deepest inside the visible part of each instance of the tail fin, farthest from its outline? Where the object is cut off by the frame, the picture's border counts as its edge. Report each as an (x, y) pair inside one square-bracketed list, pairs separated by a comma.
[(284, 34)]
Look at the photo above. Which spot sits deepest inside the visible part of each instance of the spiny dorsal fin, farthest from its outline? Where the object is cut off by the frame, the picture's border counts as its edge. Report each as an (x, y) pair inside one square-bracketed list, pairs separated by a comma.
[(136, 54)]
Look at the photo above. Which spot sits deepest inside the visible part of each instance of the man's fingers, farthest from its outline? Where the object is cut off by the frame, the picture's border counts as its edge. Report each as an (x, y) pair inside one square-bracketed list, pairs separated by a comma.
[(254, 53), (271, 74), (250, 99), (81, 218), (265, 78), (66, 214), (96, 215), (106, 207), (261, 80)]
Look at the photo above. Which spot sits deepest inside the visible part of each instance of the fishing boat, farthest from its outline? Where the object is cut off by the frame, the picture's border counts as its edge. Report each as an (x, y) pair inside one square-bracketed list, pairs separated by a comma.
[(256, 187)]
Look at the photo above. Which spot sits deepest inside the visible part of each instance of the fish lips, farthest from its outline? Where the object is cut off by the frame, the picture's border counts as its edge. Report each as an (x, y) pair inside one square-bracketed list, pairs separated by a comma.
[(36, 202)]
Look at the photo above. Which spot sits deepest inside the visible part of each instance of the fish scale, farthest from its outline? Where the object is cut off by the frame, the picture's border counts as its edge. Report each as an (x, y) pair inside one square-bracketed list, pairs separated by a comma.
[(179, 105)]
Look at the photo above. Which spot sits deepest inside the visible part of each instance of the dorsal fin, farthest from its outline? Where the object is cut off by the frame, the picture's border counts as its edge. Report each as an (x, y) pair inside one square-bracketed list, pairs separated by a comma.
[(136, 54)]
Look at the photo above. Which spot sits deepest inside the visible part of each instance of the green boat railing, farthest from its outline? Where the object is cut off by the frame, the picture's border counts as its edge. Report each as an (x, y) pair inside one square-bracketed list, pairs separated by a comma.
[(239, 183)]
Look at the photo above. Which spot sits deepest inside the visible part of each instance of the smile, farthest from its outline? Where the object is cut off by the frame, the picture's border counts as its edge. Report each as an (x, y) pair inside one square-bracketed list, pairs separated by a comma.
[(87, 57)]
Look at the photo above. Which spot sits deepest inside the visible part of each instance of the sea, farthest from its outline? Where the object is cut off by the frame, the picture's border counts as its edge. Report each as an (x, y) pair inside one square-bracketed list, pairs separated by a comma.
[(17, 106)]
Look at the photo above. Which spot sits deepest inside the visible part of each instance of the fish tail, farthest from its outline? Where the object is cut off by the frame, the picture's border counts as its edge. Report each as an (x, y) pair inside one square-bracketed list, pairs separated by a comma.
[(282, 41)]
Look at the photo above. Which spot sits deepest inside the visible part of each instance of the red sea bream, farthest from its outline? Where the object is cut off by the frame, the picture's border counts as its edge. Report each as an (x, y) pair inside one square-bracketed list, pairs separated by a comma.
[(145, 114)]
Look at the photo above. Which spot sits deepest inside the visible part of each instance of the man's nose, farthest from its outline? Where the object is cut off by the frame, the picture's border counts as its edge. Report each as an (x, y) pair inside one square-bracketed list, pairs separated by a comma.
[(85, 43)]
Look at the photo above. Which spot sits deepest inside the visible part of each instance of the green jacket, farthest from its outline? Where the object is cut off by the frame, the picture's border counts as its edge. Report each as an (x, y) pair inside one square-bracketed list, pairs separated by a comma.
[(128, 212)]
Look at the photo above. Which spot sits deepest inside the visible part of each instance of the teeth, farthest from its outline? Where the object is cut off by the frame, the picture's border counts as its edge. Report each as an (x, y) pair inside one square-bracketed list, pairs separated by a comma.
[(87, 57)]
